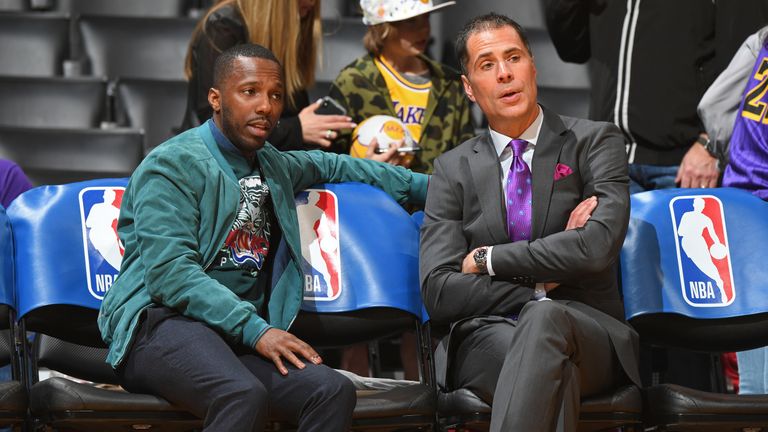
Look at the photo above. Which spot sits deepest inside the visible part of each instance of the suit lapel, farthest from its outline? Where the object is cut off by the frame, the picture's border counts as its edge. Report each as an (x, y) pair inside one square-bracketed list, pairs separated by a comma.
[(548, 146), (486, 174)]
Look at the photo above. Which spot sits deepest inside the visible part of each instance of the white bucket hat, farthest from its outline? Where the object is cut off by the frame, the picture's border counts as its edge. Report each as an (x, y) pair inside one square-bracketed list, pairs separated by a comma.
[(381, 11)]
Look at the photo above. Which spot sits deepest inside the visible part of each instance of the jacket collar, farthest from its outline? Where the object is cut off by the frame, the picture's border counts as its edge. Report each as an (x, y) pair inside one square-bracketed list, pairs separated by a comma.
[(486, 172)]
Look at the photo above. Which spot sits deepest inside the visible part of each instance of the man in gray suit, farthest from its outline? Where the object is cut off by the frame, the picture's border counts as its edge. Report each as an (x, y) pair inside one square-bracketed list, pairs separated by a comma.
[(519, 246)]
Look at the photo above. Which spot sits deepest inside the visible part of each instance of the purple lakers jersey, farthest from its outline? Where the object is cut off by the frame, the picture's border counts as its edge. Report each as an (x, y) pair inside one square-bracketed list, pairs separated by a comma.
[(748, 166)]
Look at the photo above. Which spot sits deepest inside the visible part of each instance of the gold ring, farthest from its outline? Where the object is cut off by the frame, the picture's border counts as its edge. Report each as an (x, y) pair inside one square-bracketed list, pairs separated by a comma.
[(328, 134)]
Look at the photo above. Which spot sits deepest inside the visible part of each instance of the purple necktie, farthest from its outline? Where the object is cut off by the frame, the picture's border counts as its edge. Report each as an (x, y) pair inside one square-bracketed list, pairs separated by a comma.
[(519, 194)]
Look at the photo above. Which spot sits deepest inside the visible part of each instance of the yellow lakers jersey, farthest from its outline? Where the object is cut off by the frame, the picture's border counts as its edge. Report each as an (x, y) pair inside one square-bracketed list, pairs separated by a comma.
[(409, 99)]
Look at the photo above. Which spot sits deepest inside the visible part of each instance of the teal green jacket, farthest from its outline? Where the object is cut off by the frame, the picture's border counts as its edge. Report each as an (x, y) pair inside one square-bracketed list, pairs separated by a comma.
[(177, 210)]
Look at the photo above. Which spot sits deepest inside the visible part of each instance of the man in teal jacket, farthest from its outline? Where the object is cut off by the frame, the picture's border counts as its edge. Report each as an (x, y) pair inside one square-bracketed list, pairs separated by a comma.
[(200, 312)]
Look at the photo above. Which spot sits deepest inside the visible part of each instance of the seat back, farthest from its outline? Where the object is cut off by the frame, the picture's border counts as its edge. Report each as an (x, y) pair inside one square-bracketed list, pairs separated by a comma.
[(6, 264), (33, 44), (360, 264), (155, 106), (67, 256), (692, 274), (136, 47), (342, 43), (141, 8), (57, 156), (14, 5), (53, 102), (13, 396)]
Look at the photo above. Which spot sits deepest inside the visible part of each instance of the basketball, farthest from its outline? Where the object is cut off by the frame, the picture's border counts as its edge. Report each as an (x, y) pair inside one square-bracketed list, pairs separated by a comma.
[(718, 251), (386, 129)]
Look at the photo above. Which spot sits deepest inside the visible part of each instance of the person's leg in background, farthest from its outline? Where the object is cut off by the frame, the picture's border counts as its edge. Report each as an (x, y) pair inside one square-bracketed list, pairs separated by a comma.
[(752, 371)]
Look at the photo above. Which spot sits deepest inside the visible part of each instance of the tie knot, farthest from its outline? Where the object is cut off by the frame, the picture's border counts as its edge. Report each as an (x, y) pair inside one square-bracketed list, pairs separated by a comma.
[(518, 147)]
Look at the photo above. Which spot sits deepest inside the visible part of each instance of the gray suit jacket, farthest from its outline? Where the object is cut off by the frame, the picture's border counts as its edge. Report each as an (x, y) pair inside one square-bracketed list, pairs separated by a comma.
[(465, 209)]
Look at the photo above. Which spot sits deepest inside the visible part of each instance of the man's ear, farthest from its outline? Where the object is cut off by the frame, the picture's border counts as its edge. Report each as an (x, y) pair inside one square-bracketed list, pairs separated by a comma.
[(467, 88), (214, 99)]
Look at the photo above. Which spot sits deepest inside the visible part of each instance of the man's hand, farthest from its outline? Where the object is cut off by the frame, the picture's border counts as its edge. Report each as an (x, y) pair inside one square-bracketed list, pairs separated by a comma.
[(578, 218), (391, 156), (581, 214), (276, 344), (468, 266), (322, 129), (698, 168)]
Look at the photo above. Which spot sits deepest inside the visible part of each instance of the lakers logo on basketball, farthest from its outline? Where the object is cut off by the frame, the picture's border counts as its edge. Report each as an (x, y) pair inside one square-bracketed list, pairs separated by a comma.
[(385, 129), (703, 252)]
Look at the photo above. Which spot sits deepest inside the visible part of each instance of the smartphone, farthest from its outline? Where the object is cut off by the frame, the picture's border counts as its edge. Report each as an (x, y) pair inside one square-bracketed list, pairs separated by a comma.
[(330, 107), (380, 150)]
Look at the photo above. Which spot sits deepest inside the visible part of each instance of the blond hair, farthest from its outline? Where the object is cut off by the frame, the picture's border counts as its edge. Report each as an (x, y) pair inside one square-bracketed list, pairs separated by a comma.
[(276, 25), (375, 35)]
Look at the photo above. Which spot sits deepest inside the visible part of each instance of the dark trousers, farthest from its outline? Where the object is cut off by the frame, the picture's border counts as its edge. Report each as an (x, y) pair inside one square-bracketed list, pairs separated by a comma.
[(232, 388), (534, 371)]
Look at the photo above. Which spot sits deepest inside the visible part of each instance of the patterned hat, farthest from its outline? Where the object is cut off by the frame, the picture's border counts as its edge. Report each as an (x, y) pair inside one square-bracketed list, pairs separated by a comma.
[(381, 11)]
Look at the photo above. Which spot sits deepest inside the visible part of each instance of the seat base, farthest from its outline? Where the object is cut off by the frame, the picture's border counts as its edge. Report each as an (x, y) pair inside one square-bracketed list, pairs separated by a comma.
[(622, 408), (676, 408)]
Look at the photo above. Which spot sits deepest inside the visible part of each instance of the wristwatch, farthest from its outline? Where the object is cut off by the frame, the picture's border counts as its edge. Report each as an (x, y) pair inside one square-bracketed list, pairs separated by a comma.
[(707, 144), (481, 256)]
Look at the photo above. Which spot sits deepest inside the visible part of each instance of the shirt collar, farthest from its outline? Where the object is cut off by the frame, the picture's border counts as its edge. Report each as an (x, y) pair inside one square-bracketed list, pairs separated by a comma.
[(225, 144), (531, 134)]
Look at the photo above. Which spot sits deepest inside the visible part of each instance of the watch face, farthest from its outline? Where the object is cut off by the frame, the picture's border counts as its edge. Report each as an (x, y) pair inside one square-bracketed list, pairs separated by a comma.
[(480, 255)]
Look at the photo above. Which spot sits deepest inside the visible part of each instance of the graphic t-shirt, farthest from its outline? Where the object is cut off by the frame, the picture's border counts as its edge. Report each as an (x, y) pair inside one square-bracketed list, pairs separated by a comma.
[(242, 262)]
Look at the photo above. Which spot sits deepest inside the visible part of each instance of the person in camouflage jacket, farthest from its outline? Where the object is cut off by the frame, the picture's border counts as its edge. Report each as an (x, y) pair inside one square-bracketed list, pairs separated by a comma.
[(361, 89)]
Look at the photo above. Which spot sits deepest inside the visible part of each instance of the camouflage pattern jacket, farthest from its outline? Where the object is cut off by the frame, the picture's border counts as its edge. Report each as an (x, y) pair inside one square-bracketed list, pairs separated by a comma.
[(361, 89)]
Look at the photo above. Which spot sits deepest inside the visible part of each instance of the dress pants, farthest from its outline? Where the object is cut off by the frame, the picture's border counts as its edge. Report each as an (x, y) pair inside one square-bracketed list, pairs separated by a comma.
[(232, 388), (535, 370)]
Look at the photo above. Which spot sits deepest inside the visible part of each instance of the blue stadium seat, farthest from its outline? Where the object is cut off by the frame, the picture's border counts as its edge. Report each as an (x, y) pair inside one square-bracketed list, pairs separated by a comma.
[(364, 288), (60, 280), (693, 277), (369, 289), (13, 394)]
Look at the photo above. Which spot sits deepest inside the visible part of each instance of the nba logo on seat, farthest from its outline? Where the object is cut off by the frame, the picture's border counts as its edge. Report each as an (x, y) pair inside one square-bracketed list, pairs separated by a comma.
[(103, 252), (703, 251), (318, 212)]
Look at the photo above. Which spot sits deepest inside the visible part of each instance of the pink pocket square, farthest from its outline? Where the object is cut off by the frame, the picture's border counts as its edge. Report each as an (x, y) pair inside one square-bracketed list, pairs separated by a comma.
[(562, 170)]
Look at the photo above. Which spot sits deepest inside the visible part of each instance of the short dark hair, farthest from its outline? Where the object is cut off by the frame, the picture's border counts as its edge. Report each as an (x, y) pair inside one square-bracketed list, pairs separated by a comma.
[(489, 21), (225, 61)]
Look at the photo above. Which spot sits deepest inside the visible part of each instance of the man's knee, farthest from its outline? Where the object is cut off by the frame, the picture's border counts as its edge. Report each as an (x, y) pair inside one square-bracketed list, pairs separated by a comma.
[(248, 394), (545, 316), (335, 388)]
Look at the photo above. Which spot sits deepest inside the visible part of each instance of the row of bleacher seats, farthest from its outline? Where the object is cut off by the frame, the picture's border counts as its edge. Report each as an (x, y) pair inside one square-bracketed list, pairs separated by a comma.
[(108, 46), (154, 107), (154, 8), (135, 47), (59, 302)]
